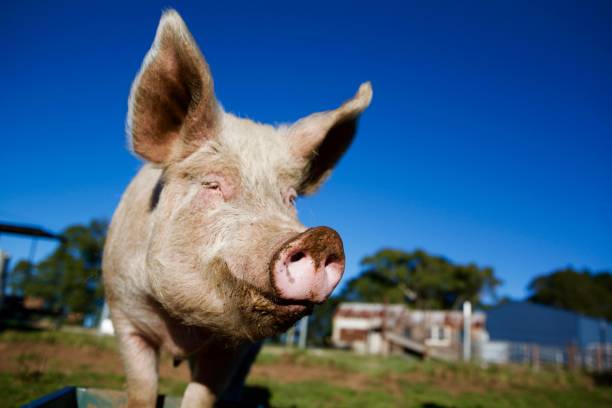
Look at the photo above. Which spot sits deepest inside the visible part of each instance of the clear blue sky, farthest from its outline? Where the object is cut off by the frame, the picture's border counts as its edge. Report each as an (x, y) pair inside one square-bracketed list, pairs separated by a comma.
[(489, 138)]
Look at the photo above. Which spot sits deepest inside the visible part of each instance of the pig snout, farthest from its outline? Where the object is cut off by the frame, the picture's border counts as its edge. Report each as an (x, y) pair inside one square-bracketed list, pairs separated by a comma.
[(308, 266)]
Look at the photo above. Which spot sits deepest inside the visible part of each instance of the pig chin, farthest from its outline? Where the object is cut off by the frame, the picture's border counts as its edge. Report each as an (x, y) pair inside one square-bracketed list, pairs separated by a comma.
[(265, 318), (259, 313)]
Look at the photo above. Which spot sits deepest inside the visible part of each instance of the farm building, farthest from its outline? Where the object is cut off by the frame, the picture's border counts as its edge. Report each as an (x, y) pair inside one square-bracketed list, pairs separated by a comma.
[(359, 326), (376, 328), (529, 332), (548, 326)]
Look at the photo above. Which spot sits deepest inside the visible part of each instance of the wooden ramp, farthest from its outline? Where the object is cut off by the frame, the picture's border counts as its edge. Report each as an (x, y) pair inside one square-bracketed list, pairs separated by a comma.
[(409, 345), (414, 347)]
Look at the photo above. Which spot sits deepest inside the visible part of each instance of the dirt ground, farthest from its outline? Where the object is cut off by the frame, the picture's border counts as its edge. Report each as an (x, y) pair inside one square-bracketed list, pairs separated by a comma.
[(65, 359), (43, 357)]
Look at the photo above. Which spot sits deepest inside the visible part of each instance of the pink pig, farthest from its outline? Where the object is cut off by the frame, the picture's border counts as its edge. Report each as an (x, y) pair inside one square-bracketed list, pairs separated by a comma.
[(205, 252)]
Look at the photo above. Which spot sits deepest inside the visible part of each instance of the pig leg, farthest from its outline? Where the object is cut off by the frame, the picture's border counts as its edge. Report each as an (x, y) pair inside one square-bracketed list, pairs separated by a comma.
[(140, 359), (211, 371)]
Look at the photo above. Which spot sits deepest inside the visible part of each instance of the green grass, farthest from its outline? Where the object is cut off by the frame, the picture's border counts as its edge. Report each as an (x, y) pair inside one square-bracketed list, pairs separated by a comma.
[(321, 394), (431, 384), (331, 379), (60, 337)]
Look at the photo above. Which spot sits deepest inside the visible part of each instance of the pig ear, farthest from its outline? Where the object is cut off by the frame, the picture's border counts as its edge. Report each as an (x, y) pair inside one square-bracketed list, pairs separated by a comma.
[(172, 105), (322, 138)]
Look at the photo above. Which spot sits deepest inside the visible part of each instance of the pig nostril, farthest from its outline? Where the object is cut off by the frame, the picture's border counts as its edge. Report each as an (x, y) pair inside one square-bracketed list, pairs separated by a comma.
[(297, 256)]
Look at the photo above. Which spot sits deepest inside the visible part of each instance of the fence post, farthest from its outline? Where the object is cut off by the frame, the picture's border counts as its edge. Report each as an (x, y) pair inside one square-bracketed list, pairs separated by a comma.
[(599, 358), (571, 356), (535, 356)]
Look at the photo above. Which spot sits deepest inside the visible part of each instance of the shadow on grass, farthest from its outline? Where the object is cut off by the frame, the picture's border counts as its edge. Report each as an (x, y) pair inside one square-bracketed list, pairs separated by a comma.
[(252, 396), (18, 325), (603, 379)]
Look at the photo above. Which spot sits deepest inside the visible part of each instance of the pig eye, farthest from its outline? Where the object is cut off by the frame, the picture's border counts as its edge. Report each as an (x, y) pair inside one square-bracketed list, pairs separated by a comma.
[(291, 197), (211, 185)]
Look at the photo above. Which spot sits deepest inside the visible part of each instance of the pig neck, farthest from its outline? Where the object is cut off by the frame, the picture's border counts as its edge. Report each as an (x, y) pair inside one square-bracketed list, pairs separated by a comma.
[(132, 227)]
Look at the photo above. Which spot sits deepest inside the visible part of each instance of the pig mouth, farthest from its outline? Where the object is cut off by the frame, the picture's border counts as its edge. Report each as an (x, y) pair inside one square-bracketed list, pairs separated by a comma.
[(272, 303), (267, 316), (294, 304), (262, 300), (261, 312)]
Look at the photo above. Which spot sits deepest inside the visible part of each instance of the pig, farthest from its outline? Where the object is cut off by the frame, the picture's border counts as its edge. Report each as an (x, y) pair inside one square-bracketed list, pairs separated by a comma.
[(205, 252)]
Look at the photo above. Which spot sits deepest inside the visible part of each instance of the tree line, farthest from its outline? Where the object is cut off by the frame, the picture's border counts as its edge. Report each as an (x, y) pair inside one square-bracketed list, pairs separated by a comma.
[(68, 281)]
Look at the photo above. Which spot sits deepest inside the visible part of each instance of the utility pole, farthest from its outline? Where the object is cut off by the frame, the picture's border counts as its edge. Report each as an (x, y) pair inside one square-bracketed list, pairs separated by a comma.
[(467, 331)]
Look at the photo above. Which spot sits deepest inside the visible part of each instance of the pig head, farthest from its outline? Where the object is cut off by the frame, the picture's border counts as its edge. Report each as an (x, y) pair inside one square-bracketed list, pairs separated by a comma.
[(206, 241)]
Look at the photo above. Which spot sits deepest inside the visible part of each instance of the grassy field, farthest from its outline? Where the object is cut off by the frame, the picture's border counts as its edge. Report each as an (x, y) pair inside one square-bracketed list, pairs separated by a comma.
[(35, 363)]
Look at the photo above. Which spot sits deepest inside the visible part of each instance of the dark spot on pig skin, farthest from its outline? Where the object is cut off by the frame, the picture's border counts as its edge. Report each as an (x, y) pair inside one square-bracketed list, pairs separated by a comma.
[(157, 189), (291, 279)]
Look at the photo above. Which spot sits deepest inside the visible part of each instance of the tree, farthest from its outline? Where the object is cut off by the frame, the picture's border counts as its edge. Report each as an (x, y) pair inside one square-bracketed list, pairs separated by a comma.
[(430, 282), (69, 279), (20, 276), (580, 291)]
